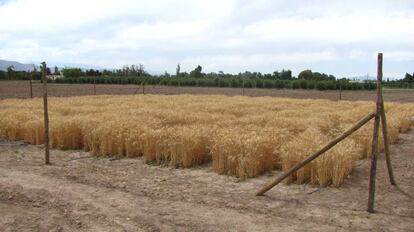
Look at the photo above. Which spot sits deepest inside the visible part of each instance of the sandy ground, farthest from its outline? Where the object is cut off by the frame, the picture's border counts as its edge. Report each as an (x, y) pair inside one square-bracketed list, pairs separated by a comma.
[(21, 89), (79, 192)]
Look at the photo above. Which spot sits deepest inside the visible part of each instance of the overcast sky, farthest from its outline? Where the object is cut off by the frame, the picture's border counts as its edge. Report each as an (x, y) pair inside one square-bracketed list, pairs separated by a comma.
[(337, 37)]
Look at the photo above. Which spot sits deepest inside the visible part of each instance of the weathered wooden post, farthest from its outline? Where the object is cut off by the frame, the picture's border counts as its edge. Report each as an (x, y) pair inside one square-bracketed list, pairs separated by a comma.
[(46, 114), (386, 144), (143, 88), (31, 86), (94, 85), (373, 172), (340, 91), (243, 87)]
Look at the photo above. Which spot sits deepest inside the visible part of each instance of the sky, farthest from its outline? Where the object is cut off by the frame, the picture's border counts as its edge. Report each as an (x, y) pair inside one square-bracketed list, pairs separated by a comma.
[(335, 37)]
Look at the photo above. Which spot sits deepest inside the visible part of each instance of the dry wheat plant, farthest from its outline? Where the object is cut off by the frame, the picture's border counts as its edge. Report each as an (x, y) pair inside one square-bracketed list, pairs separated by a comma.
[(241, 136)]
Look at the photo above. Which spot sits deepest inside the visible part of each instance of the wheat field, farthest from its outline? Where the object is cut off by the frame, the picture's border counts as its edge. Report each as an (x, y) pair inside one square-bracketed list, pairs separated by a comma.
[(241, 136)]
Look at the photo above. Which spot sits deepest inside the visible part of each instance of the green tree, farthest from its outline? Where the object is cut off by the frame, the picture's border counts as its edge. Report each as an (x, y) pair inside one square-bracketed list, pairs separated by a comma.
[(3, 75), (286, 74), (141, 70), (276, 75), (306, 75), (408, 77), (93, 73), (10, 72), (72, 72), (331, 77), (36, 75), (197, 72), (56, 72), (177, 70)]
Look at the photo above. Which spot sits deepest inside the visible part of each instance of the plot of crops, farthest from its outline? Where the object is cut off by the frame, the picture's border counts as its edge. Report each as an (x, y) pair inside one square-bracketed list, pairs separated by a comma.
[(241, 136)]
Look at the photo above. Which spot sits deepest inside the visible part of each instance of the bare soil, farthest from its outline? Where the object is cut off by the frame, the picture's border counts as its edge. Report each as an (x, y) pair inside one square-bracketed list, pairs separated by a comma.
[(21, 89), (79, 192)]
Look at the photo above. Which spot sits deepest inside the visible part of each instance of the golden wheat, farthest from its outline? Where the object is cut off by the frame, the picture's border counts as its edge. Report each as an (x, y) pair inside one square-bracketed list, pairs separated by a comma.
[(242, 136)]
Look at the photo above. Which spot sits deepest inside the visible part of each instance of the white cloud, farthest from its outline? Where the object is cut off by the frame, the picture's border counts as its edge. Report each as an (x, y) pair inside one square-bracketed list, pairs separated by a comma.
[(226, 35), (219, 62), (400, 55), (337, 30)]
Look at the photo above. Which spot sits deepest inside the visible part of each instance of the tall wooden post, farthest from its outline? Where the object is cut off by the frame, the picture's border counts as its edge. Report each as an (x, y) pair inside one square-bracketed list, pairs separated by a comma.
[(94, 85), (386, 145), (136, 90), (46, 114), (31, 87), (373, 172), (340, 91), (243, 87), (143, 88)]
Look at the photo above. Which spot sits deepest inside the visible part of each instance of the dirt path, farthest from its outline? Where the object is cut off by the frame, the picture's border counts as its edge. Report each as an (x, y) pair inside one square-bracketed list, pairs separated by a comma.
[(96, 194)]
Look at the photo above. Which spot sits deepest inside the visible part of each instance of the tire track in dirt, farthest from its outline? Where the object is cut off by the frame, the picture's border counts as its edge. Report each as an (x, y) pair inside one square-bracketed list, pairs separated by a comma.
[(131, 214)]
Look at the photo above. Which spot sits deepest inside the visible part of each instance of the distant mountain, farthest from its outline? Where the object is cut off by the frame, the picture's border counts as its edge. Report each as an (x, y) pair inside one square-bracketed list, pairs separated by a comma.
[(4, 64), (73, 65)]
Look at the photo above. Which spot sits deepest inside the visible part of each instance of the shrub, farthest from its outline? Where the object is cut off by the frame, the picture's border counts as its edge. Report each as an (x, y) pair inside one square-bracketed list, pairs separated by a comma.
[(320, 85)]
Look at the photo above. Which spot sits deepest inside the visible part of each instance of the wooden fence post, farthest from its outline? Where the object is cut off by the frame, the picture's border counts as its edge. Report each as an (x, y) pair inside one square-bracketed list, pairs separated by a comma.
[(328, 146), (46, 114), (31, 87), (94, 85), (373, 172), (243, 87), (340, 91), (143, 88), (386, 145)]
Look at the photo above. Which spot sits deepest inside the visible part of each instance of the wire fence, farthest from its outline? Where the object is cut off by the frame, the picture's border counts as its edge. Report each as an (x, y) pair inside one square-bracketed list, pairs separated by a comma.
[(23, 89)]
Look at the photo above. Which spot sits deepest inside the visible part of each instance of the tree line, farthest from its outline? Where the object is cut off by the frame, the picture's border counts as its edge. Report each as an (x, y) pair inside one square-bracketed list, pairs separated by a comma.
[(139, 71), (277, 79), (136, 74), (35, 74)]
